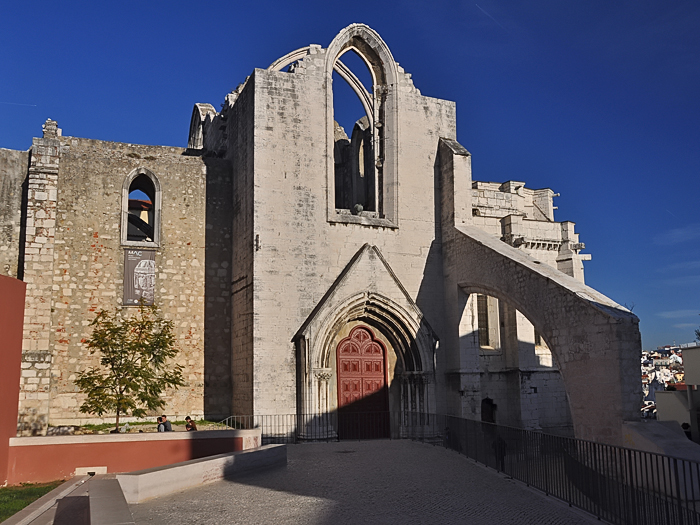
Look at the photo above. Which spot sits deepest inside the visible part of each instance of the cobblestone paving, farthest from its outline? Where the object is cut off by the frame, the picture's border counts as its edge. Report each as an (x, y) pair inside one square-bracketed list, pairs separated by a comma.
[(364, 482)]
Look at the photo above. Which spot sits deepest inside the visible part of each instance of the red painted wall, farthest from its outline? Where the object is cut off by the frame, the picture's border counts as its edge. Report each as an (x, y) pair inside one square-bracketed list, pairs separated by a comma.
[(38, 463), (11, 323)]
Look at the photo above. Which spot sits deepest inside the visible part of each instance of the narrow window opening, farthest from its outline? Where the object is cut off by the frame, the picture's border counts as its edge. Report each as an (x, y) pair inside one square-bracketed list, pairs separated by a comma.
[(482, 310), (142, 196)]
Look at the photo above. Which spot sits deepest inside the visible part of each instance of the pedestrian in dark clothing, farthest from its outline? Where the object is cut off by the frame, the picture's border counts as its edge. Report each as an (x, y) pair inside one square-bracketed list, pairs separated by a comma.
[(499, 449), (191, 425), (167, 427)]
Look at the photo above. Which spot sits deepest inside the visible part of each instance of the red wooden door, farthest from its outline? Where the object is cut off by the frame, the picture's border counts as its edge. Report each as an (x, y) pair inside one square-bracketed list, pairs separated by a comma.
[(362, 392)]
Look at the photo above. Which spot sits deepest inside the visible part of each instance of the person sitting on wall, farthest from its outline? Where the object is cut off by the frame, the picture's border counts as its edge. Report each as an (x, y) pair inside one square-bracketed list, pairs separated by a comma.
[(167, 427), (161, 427), (191, 425)]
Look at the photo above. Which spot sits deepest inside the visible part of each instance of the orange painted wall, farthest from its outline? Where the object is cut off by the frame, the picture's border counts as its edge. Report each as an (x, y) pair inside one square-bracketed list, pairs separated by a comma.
[(11, 322), (42, 463)]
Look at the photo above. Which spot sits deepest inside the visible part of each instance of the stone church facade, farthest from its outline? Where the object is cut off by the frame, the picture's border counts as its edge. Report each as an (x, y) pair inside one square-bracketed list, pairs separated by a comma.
[(310, 271)]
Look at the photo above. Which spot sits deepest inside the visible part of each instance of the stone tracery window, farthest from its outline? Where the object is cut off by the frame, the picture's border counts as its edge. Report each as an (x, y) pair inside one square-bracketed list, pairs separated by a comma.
[(363, 157)]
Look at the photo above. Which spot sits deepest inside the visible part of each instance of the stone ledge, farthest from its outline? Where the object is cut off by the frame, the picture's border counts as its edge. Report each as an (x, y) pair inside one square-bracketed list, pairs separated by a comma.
[(35, 509), (348, 218), (107, 503), (131, 437), (160, 481)]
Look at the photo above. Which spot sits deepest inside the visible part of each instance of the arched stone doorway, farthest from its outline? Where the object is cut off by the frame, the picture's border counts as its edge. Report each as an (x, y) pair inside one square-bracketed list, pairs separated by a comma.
[(393, 319), (363, 395)]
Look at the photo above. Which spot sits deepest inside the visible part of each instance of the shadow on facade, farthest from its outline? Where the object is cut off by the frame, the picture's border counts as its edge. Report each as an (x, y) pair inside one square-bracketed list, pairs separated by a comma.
[(217, 289), (519, 380)]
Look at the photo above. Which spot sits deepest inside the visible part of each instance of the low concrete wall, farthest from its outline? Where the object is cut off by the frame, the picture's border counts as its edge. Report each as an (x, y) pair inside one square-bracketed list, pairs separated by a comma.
[(157, 482), (32, 512), (660, 437), (672, 406), (42, 459)]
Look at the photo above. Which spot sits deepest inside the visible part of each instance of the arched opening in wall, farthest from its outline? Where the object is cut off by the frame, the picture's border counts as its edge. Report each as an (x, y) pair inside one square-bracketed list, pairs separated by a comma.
[(142, 197), (346, 387), (141, 202), (356, 184), (517, 370), (488, 410)]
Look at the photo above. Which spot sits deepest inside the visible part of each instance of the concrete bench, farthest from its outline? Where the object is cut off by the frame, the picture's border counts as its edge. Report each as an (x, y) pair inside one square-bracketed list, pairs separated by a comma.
[(160, 481)]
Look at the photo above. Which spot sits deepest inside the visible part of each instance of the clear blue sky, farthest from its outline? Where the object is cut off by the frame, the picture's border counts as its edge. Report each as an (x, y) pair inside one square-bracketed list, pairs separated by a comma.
[(598, 100)]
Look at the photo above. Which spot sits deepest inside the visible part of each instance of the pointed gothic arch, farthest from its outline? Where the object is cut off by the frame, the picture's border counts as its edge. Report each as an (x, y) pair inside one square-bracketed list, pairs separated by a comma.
[(383, 121), (403, 332)]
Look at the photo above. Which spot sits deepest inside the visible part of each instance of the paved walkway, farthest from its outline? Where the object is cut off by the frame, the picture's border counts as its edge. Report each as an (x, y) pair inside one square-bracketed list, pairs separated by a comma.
[(364, 482)]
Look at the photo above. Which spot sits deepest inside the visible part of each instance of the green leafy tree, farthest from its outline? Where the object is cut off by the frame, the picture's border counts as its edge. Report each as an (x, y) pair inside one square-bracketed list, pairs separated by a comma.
[(135, 353)]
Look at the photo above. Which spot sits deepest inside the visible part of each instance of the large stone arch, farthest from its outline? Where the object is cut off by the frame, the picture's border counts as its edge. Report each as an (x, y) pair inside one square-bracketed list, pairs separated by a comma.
[(409, 336), (384, 111), (340, 68), (595, 341), (470, 287), (404, 332), (387, 309)]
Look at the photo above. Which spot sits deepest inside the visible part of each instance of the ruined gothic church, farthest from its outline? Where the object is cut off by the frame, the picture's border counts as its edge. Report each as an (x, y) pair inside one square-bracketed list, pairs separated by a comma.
[(311, 269)]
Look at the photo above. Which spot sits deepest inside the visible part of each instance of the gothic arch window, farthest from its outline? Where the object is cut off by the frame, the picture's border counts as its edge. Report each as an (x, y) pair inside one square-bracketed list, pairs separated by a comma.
[(141, 204), (362, 161), (355, 136)]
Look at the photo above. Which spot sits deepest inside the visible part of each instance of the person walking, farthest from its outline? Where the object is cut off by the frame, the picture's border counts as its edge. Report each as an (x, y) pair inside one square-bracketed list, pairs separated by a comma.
[(167, 427), (191, 425)]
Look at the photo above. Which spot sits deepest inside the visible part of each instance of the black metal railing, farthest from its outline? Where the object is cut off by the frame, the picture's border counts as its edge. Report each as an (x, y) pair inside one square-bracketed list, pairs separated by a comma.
[(331, 426), (617, 484)]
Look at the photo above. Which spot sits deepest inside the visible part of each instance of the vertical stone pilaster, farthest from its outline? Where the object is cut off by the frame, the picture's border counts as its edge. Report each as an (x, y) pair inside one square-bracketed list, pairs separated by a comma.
[(38, 274), (469, 365)]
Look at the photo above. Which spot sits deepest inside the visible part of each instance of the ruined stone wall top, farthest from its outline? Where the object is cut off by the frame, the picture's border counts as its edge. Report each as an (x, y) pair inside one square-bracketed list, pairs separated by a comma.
[(493, 199), (13, 172), (524, 218)]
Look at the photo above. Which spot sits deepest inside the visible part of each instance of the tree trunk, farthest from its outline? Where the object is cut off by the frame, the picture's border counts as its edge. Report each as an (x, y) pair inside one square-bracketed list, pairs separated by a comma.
[(117, 420)]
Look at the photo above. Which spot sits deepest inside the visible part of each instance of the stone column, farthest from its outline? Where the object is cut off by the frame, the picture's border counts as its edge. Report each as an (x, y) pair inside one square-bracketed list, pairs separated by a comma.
[(38, 274), (319, 422)]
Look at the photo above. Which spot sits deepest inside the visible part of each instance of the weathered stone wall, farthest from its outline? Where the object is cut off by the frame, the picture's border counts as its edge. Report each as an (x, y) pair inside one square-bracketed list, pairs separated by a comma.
[(89, 260), (13, 172), (587, 332), (75, 263), (218, 249), (301, 252), (522, 376), (241, 133)]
